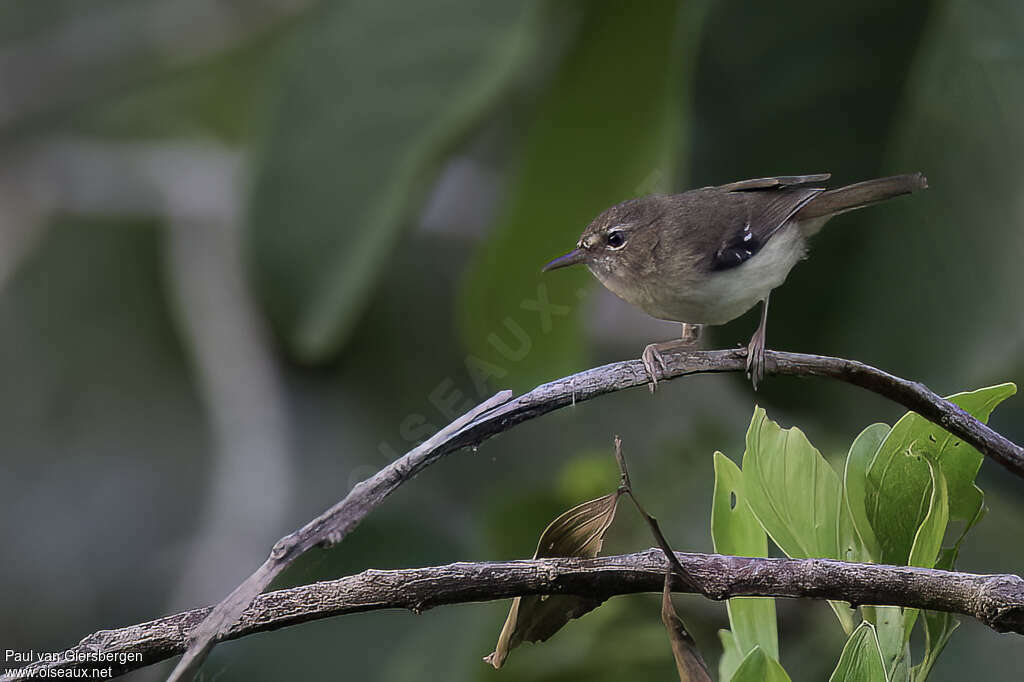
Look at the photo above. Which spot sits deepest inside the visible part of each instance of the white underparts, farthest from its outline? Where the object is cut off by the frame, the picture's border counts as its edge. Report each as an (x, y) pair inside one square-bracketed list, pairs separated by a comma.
[(726, 294)]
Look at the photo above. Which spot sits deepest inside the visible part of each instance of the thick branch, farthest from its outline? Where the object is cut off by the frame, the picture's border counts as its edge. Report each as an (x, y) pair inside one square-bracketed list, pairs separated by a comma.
[(500, 414), (996, 600)]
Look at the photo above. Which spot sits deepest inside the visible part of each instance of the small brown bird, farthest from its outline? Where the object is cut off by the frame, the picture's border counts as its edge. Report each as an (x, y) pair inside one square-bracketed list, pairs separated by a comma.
[(708, 255)]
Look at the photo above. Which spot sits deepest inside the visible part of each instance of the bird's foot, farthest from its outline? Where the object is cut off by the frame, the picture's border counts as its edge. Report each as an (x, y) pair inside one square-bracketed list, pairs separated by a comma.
[(755, 358), (652, 357)]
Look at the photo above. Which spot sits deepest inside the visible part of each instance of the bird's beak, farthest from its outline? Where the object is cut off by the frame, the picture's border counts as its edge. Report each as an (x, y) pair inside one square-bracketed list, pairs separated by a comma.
[(571, 258)]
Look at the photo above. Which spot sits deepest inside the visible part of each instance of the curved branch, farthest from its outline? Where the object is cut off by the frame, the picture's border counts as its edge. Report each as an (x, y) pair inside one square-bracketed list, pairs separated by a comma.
[(996, 600), (591, 383), (501, 413)]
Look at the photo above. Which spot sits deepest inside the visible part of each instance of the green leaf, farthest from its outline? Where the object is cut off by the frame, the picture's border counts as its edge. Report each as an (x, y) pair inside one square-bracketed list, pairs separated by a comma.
[(928, 540), (938, 625), (791, 489), (608, 129), (735, 530), (898, 482), (848, 542), (890, 631), (861, 660), (908, 502), (894, 625), (374, 96), (863, 450), (795, 495), (759, 667), (731, 655)]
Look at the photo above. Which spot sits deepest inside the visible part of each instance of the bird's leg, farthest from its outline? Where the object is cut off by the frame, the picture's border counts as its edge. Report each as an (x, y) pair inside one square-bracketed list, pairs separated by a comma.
[(755, 349), (652, 353)]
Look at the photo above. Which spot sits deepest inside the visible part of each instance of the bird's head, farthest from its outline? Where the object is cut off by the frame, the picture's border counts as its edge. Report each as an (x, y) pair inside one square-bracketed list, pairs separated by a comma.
[(616, 244)]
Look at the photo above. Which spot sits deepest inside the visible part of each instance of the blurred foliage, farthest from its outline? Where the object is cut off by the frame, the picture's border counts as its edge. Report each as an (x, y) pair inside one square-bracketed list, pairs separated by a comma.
[(607, 129), (358, 135), (22, 20), (223, 98), (100, 425), (952, 259), (345, 115)]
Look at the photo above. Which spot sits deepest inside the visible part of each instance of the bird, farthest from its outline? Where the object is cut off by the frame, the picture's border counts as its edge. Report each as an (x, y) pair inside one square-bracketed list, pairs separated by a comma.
[(708, 255)]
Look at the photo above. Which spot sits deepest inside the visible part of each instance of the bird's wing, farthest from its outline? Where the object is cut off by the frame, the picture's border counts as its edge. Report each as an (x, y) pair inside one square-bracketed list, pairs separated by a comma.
[(775, 182), (752, 217)]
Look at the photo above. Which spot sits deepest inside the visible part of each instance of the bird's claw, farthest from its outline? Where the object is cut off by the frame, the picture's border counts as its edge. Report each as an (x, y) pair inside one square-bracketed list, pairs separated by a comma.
[(650, 356), (755, 359)]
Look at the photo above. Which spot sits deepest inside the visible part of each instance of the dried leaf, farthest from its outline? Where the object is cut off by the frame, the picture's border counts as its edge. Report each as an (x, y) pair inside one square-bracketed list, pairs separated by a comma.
[(578, 532), (689, 663)]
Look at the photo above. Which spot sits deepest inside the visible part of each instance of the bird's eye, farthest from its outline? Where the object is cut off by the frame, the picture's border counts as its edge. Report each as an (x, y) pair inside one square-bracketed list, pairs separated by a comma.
[(616, 239)]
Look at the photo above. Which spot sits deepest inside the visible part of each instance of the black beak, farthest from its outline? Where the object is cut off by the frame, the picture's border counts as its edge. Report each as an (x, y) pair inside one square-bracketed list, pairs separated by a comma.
[(571, 258)]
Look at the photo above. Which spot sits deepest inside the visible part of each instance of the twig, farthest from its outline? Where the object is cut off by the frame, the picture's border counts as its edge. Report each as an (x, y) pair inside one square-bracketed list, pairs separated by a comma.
[(690, 664), (481, 424), (626, 487), (995, 600)]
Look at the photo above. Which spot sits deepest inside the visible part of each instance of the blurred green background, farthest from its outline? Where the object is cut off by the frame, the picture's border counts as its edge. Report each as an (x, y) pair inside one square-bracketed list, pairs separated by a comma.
[(249, 252)]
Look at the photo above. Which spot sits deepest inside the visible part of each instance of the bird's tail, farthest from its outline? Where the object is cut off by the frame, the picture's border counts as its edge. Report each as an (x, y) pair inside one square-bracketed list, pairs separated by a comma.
[(842, 199)]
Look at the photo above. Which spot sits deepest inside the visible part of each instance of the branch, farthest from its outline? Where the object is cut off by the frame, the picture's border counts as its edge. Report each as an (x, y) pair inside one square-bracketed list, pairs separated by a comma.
[(327, 529), (995, 600), (591, 383), (501, 413)]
